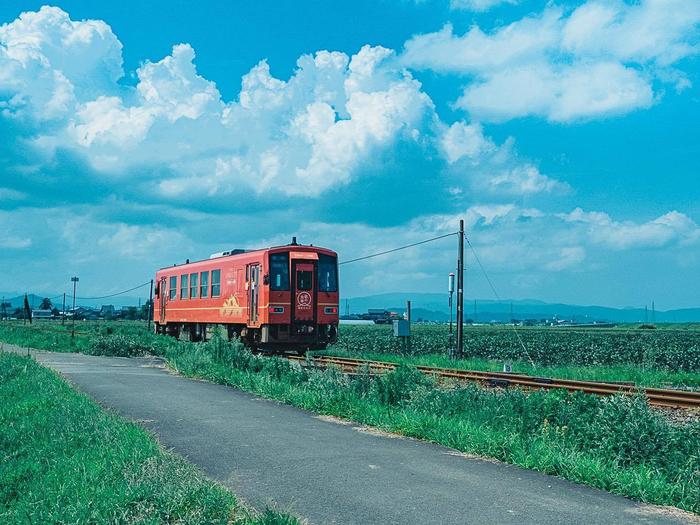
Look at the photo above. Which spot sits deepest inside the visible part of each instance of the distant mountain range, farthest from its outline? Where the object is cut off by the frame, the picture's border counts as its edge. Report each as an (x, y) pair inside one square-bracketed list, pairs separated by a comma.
[(434, 307)]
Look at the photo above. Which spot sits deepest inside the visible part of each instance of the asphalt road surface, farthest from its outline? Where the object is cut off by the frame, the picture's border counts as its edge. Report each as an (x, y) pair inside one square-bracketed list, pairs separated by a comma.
[(325, 471)]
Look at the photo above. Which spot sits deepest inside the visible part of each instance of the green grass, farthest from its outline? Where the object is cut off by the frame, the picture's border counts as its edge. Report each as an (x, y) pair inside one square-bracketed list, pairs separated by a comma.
[(63, 459), (121, 338), (617, 444), (674, 350), (639, 375), (562, 353)]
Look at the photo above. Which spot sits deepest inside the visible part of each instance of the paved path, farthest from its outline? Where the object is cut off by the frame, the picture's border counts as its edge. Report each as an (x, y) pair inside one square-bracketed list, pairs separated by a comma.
[(273, 454)]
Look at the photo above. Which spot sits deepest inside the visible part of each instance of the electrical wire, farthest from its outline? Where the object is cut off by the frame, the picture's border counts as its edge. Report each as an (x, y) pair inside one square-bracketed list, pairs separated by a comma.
[(365, 257), (498, 298), (397, 249), (115, 294), (343, 262)]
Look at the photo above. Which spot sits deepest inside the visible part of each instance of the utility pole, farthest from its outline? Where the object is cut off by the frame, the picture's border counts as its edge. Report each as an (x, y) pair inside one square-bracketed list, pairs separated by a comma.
[(460, 291), (150, 307), (63, 311), (74, 280), (653, 313), (451, 291)]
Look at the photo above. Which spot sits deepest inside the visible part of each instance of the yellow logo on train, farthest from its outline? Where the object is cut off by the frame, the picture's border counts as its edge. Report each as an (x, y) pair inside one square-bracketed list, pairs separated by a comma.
[(231, 306)]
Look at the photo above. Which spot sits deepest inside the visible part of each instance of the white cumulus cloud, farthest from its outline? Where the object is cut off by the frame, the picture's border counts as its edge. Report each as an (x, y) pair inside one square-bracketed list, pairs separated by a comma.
[(672, 227), (301, 135), (175, 137), (562, 94), (49, 61), (599, 59), (479, 5), (493, 168), (463, 140)]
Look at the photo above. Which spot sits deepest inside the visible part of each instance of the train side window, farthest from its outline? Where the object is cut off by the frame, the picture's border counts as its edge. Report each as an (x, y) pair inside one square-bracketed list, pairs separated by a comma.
[(304, 280), (215, 283), (204, 285), (173, 287), (194, 285), (279, 271), (327, 273), (183, 287)]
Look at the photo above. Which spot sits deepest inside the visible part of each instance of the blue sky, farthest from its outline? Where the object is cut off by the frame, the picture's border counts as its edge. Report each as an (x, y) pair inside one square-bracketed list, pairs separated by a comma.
[(565, 134)]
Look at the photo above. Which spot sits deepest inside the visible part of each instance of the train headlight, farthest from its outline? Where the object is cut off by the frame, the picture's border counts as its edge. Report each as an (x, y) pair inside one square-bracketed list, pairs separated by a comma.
[(276, 309), (330, 310)]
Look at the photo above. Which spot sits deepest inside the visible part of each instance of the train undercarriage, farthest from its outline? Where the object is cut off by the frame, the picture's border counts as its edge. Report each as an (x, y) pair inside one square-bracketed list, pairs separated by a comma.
[(273, 338)]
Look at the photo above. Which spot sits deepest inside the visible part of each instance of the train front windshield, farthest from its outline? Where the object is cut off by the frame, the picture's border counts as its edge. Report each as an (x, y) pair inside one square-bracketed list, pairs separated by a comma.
[(327, 273)]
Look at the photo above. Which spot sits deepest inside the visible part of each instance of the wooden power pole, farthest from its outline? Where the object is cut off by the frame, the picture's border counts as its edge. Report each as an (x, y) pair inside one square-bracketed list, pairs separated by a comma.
[(460, 291)]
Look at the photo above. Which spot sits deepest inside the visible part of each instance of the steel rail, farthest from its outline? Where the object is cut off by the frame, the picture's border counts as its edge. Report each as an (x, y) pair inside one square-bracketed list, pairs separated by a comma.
[(663, 397)]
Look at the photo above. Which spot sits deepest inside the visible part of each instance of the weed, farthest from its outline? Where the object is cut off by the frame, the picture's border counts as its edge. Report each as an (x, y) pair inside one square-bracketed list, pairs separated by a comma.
[(612, 443), (66, 460), (617, 444)]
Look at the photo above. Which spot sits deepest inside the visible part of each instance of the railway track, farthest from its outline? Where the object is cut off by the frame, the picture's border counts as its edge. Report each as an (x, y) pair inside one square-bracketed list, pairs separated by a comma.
[(661, 397)]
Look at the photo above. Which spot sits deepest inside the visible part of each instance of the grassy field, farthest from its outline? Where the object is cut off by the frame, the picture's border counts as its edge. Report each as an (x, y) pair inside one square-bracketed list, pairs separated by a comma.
[(618, 444), (639, 375), (663, 358), (660, 358), (66, 460), (668, 349)]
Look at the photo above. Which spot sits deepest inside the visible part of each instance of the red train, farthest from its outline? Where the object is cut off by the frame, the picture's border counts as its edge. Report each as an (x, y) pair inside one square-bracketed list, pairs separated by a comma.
[(281, 298)]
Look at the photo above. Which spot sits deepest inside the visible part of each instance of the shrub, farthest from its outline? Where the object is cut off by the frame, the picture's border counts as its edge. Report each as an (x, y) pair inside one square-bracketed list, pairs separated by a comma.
[(118, 345), (398, 386)]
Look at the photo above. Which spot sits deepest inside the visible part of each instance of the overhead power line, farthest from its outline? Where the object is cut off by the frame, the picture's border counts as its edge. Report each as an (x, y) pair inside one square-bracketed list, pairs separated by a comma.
[(398, 249), (498, 298), (340, 263), (115, 294)]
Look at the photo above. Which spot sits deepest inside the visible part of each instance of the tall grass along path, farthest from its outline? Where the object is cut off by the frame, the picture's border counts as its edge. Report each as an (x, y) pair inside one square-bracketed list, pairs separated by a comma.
[(66, 460), (355, 474), (616, 443)]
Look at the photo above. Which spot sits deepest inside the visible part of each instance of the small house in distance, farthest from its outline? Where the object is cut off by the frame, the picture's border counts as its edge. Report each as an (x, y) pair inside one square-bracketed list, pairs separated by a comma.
[(107, 311), (38, 313), (84, 313)]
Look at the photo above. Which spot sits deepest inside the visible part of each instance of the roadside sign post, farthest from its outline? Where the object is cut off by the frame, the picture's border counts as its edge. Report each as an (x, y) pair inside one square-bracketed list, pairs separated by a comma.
[(402, 329), (408, 318)]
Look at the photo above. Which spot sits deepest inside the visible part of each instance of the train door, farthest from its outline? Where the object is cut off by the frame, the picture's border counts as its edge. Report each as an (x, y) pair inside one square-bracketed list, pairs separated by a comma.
[(253, 272), (162, 296), (304, 291)]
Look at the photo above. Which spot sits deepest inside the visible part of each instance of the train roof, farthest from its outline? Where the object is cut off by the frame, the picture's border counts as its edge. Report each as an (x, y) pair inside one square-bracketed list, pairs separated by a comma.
[(238, 252)]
